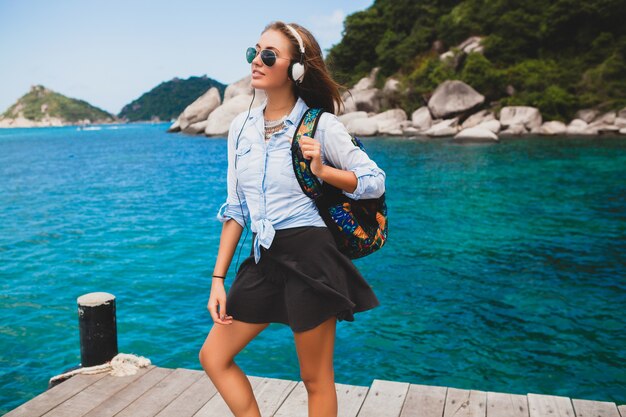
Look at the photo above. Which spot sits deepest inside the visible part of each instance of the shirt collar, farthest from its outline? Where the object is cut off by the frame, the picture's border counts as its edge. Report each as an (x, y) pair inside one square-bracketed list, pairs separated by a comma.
[(294, 116)]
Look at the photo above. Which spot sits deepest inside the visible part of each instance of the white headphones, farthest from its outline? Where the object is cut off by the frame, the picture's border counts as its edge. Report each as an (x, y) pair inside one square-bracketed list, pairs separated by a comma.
[(295, 71)]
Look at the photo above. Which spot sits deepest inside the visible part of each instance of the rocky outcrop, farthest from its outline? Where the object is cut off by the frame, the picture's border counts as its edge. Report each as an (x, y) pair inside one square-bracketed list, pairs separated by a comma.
[(477, 118), (443, 128), (219, 120), (421, 119), (455, 56), (363, 96), (476, 134), (451, 111), (206, 115), (385, 123), (576, 127), (363, 127), (347, 117), (528, 117), (552, 128), (389, 122), (453, 97), (42, 107), (195, 115)]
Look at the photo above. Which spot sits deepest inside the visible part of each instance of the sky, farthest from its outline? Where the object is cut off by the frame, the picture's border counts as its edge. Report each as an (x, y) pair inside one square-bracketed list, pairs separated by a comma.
[(109, 53)]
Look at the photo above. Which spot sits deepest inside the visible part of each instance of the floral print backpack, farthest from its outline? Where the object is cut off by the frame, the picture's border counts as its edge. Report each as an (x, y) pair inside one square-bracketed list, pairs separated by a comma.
[(358, 226)]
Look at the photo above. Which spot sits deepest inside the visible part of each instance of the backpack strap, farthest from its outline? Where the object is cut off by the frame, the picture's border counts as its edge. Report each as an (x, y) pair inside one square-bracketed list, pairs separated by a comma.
[(309, 183)]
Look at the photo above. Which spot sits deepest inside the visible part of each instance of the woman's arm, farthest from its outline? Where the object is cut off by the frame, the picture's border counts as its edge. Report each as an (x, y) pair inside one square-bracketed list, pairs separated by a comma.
[(235, 208), (346, 180), (355, 173)]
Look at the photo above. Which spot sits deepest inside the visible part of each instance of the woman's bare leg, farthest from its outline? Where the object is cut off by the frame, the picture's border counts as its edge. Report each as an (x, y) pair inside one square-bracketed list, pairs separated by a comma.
[(315, 353), (217, 355)]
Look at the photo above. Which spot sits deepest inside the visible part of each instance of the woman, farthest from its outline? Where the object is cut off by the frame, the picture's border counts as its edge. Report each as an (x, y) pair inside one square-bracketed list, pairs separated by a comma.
[(295, 273)]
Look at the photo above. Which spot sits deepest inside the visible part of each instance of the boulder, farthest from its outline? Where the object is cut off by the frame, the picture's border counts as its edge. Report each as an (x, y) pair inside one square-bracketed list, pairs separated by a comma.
[(477, 118), (410, 131), (452, 97), (623, 131), (620, 122), (349, 106), (444, 128), (476, 134), (346, 117), (175, 127), (196, 128), (362, 100), (553, 127), (622, 113), (576, 127), (517, 129), (391, 94), (490, 125), (471, 44), (392, 86), (389, 122), (367, 83), (586, 115), (219, 120), (527, 116), (606, 128), (421, 118), (199, 110), (243, 86), (606, 118), (446, 55), (363, 127)]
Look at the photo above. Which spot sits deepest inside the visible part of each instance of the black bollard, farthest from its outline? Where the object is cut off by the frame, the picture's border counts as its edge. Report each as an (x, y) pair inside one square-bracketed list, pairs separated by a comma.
[(98, 329)]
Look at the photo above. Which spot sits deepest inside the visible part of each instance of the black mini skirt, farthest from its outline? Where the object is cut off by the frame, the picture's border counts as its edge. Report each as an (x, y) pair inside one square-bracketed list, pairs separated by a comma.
[(301, 281)]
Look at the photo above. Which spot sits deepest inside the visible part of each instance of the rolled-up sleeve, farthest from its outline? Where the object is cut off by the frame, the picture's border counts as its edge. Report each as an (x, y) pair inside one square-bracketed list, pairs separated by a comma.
[(235, 206), (340, 152)]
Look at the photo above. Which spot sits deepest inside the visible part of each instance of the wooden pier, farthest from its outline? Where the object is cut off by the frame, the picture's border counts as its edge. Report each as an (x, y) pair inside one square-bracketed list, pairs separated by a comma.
[(167, 392)]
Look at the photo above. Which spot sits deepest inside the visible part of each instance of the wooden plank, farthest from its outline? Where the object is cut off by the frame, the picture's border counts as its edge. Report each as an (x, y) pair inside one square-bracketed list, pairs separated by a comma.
[(465, 403), (271, 393), (161, 394), (349, 401), (384, 399), (501, 404), (424, 401), (217, 407), (123, 398), (588, 408), (51, 398), (622, 410), (296, 404), (192, 399), (94, 395), (540, 405)]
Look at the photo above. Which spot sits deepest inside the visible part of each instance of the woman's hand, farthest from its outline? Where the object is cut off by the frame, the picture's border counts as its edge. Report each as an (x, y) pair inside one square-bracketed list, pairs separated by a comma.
[(218, 298), (312, 149)]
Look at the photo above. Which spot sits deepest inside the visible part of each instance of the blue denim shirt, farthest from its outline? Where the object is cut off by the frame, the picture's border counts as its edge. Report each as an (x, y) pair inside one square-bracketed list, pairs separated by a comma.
[(268, 196)]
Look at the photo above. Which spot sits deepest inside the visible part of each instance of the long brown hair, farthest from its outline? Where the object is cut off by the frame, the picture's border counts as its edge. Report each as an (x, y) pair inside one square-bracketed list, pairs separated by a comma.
[(317, 89)]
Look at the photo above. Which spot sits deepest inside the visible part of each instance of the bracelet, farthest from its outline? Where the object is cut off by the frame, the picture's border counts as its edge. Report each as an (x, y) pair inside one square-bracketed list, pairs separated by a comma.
[(219, 276)]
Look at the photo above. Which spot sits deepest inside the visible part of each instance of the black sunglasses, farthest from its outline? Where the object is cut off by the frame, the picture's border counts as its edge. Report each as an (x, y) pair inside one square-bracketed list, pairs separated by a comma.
[(267, 56)]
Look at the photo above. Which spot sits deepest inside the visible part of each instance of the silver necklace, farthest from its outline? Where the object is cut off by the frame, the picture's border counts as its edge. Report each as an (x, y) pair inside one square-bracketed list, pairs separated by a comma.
[(273, 126)]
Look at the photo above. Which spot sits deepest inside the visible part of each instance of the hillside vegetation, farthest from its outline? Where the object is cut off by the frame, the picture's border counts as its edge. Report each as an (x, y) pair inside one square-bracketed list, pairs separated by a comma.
[(41, 103), (168, 99), (558, 56)]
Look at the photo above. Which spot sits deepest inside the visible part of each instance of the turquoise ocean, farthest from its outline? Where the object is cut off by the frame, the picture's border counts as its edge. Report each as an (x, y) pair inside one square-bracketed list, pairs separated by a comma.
[(505, 268)]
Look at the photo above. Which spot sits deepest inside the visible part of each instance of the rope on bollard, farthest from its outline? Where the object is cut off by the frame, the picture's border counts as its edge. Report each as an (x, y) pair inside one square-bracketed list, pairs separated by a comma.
[(122, 364)]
